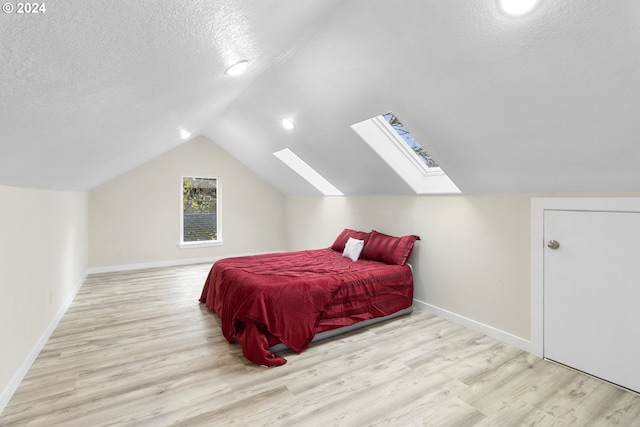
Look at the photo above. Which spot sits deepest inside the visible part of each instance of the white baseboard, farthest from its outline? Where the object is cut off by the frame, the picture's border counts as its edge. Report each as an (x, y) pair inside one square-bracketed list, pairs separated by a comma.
[(169, 263), (17, 378), (498, 334), (155, 264)]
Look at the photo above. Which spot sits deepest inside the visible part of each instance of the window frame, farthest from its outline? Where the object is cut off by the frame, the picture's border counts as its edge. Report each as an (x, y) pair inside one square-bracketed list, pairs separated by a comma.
[(402, 145), (201, 243), (382, 138)]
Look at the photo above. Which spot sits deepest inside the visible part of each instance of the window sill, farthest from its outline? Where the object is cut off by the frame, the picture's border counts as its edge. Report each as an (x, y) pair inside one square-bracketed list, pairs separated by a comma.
[(202, 244)]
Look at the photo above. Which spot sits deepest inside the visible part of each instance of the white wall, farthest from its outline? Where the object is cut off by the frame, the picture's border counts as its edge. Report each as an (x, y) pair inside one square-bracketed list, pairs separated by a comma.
[(473, 259), (473, 263), (135, 218), (43, 262)]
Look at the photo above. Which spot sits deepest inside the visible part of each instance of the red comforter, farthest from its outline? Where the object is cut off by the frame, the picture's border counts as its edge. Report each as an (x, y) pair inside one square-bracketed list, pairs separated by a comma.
[(284, 295)]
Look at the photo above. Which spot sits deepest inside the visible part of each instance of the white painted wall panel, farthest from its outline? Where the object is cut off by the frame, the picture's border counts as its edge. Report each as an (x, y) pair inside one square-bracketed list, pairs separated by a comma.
[(43, 260), (135, 218), (473, 259)]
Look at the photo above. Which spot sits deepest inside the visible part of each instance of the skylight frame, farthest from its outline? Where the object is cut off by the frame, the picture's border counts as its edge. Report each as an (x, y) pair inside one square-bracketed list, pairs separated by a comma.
[(404, 147), (308, 173), (382, 138)]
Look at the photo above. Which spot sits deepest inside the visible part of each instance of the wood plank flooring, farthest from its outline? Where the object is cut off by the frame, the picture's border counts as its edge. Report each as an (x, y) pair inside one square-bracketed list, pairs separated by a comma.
[(136, 348)]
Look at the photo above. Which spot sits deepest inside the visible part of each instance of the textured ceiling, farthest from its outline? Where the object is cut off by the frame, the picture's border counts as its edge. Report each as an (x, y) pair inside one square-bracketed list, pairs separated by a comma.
[(90, 89), (547, 102)]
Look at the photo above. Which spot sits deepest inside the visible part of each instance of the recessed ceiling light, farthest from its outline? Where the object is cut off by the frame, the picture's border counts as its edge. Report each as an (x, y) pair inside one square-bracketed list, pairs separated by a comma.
[(184, 134), (237, 68), (517, 7), (288, 124)]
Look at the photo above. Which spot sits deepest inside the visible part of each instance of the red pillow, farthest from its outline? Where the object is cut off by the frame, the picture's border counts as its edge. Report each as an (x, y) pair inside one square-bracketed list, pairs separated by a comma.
[(342, 238), (388, 249)]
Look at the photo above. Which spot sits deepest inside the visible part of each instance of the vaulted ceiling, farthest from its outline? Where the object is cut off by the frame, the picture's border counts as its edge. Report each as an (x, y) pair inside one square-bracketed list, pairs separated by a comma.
[(545, 102)]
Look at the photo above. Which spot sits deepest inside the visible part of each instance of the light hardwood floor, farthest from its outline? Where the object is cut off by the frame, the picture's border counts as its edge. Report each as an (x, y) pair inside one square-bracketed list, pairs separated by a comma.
[(137, 348)]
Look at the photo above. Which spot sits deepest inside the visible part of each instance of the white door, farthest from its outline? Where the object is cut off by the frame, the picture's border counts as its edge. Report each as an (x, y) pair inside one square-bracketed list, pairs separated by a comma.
[(592, 293)]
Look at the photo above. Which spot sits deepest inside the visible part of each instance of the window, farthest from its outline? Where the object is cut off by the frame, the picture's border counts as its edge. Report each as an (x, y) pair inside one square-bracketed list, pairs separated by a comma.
[(388, 137), (410, 141), (301, 167), (200, 212)]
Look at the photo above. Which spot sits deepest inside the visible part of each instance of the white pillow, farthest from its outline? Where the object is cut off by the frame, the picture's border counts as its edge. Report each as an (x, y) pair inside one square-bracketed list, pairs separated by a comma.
[(353, 248)]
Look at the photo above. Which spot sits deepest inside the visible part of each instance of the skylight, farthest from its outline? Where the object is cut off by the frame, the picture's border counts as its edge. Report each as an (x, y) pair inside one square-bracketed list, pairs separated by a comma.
[(413, 145), (307, 172), (393, 142)]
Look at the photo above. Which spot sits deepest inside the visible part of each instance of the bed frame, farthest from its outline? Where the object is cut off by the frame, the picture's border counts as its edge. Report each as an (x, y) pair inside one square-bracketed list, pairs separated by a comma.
[(344, 329)]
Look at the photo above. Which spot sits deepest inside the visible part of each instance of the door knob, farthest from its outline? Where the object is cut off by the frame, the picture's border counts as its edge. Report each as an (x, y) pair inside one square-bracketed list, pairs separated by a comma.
[(553, 245)]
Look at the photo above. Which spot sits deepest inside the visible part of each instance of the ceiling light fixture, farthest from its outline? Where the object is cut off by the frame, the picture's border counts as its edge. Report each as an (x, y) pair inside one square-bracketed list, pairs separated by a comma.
[(517, 7), (237, 68), (288, 124), (184, 134)]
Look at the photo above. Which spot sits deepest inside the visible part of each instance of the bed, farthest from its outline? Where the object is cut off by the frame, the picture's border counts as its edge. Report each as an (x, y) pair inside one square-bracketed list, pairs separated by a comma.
[(270, 302)]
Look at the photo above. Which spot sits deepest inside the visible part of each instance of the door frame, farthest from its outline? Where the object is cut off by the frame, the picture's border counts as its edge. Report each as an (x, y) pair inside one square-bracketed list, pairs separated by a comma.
[(538, 207)]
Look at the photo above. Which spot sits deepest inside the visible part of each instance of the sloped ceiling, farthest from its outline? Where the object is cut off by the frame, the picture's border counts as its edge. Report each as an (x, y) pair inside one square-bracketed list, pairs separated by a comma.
[(546, 102)]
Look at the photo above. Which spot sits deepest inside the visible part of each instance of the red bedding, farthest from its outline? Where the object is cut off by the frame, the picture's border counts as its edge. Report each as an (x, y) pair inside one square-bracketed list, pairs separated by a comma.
[(291, 296)]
